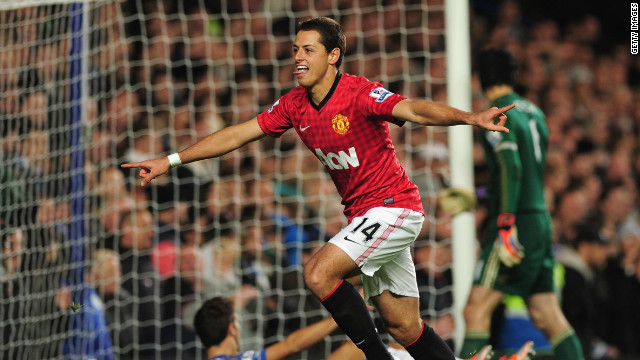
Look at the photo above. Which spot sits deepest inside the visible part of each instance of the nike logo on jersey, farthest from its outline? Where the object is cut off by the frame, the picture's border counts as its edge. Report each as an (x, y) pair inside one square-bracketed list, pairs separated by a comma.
[(339, 161), (304, 128)]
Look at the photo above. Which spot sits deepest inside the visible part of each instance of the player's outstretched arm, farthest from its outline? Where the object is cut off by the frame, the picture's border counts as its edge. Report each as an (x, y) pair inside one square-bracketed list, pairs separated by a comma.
[(214, 145), (301, 339), (347, 351), (425, 112)]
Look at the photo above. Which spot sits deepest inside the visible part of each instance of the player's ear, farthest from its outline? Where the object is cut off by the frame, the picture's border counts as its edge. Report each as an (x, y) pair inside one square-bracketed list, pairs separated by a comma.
[(234, 327), (334, 55), (231, 329)]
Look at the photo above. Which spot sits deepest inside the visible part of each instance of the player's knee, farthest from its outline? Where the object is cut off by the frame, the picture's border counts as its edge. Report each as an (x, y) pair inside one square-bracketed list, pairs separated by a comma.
[(550, 320), (540, 319), (404, 330), (313, 277), (473, 314), (468, 313)]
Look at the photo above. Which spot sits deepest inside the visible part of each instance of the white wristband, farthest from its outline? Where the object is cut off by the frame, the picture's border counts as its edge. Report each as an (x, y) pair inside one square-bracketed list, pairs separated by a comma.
[(174, 160)]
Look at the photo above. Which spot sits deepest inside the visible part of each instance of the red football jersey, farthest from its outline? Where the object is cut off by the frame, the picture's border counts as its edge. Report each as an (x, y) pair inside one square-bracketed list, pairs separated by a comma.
[(349, 133)]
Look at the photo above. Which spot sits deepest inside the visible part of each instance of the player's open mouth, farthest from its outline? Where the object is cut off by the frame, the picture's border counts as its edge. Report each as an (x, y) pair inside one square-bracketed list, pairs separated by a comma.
[(301, 70)]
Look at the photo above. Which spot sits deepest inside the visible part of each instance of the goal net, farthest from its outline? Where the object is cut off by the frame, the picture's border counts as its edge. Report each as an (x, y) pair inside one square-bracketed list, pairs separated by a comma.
[(95, 265)]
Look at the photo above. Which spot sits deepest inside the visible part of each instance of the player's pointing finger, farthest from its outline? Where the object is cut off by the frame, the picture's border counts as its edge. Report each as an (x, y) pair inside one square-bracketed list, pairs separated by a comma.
[(506, 108), (130, 165)]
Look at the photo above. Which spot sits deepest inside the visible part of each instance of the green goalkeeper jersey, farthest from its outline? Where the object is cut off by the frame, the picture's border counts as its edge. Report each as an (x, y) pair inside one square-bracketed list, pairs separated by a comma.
[(516, 159)]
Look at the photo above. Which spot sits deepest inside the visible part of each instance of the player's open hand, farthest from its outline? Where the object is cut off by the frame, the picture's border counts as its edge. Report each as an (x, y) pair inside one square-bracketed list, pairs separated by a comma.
[(487, 119), (150, 169), (456, 200)]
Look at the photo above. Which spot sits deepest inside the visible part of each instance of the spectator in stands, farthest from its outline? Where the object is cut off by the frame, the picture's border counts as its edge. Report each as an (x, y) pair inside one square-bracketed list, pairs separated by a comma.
[(220, 260), (570, 211), (219, 331), (556, 175), (114, 201), (20, 186), (89, 329), (189, 127), (183, 292), (614, 206), (10, 104), (622, 275), (257, 257), (22, 152), (105, 276), (583, 297), (34, 300), (222, 206), (121, 112), (13, 247), (35, 106), (141, 279)]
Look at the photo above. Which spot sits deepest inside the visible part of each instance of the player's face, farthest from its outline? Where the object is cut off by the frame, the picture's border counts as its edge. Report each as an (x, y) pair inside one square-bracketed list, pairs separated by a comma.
[(312, 60)]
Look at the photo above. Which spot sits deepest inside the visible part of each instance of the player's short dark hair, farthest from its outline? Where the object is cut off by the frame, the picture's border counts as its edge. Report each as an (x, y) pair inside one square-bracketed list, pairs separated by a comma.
[(212, 320), (496, 67), (331, 34)]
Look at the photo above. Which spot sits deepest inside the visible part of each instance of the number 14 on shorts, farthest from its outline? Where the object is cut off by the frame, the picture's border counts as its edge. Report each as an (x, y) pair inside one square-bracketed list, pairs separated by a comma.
[(363, 232)]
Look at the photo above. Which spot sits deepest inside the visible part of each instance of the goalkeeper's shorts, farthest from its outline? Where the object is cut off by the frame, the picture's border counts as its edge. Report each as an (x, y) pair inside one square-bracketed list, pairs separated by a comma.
[(534, 275)]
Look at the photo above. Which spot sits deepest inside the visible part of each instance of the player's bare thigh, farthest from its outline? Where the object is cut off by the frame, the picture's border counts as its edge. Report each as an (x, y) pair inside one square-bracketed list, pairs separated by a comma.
[(401, 315), (326, 268)]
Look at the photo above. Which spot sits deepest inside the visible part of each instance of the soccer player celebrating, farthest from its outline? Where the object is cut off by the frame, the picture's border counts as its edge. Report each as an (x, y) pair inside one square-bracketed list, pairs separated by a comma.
[(516, 262), (343, 120)]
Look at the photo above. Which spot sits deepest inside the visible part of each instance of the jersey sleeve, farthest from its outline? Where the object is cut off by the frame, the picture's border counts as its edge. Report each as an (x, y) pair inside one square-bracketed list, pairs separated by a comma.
[(379, 102), (276, 120), (505, 149), (247, 355)]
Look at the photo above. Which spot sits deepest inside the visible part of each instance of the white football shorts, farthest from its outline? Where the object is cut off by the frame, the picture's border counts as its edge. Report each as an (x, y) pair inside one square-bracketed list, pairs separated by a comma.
[(379, 242)]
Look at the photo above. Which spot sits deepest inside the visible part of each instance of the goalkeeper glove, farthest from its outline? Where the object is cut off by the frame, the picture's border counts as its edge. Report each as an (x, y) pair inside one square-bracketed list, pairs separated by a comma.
[(456, 200), (510, 250)]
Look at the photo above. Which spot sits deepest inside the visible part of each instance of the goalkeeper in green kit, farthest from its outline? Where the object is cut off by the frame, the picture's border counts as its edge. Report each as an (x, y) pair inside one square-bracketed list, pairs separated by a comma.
[(517, 256)]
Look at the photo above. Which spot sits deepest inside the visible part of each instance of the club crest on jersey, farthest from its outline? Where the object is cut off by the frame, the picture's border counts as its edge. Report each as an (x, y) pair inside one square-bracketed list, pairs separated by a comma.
[(380, 94), (340, 124)]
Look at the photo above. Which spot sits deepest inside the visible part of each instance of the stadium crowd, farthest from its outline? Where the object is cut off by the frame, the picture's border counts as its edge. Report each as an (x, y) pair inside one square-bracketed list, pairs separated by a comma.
[(164, 74)]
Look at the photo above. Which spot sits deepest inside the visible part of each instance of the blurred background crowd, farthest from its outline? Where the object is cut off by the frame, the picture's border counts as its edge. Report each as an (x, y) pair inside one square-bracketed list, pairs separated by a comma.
[(163, 74)]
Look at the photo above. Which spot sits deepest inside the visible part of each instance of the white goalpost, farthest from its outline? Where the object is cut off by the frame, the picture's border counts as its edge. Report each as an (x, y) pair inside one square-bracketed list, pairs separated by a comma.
[(96, 266), (463, 229)]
